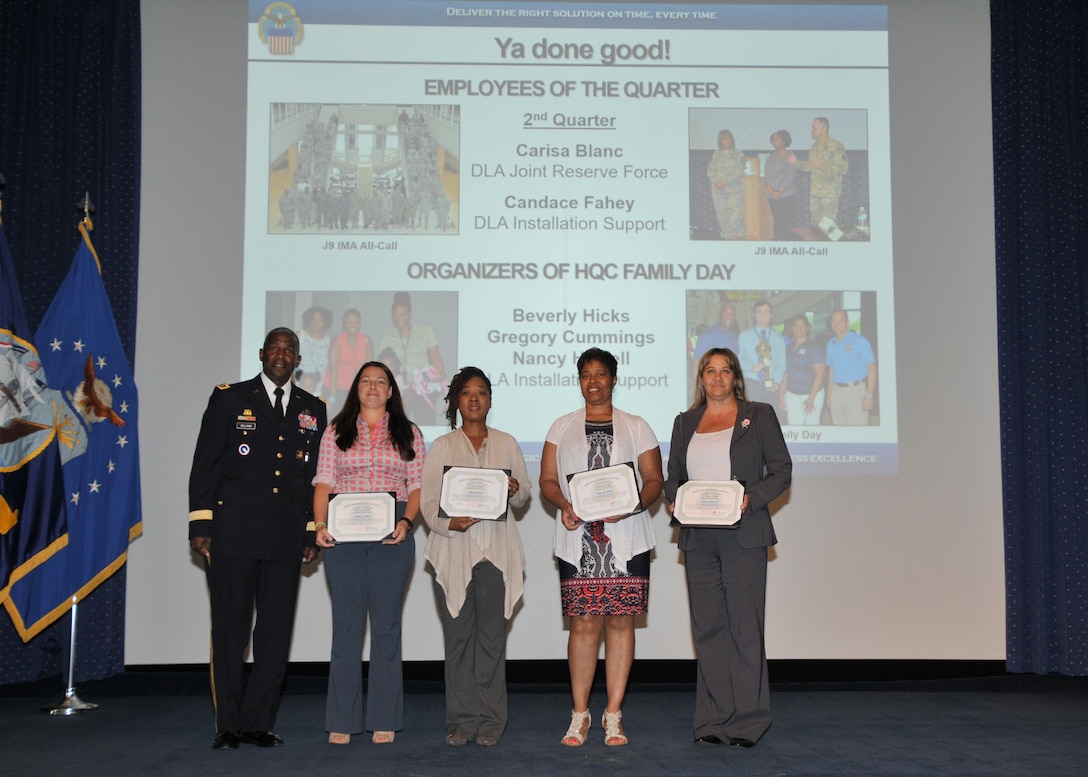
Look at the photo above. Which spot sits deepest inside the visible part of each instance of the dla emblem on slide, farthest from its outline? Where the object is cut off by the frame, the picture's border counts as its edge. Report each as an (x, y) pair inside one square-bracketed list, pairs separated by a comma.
[(281, 28)]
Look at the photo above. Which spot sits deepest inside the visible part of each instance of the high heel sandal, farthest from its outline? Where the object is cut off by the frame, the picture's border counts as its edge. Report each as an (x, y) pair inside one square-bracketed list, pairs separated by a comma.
[(613, 728), (579, 727)]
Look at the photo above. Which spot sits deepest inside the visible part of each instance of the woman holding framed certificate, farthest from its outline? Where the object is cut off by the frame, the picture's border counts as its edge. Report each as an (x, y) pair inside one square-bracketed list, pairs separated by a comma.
[(724, 438), (602, 462), (478, 561), (370, 449)]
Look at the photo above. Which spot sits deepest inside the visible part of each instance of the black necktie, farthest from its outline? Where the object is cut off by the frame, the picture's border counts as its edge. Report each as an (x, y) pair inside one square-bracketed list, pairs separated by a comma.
[(279, 401)]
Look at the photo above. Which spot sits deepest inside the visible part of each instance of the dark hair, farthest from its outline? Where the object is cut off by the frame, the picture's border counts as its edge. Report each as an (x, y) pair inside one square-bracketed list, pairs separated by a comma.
[(763, 304), (823, 120), (457, 383), (724, 133), (400, 428), (598, 355), (390, 355), (309, 313), (281, 330), (784, 136), (804, 320), (402, 298), (352, 312), (734, 365)]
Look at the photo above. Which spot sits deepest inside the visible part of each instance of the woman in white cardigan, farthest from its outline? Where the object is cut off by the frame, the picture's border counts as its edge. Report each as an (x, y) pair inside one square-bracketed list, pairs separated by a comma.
[(604, 566), (479, 566)]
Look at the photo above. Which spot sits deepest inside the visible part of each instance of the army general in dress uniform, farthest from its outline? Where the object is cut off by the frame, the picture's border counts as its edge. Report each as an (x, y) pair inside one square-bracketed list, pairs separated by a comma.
[(251, 503)]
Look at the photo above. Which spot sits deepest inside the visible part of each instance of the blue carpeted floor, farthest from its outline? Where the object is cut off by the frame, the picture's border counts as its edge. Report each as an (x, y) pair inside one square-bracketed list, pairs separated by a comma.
[(989, 729)]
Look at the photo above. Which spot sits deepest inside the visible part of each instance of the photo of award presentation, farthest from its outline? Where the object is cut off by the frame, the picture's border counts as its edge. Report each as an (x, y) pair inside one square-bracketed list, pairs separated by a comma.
[(413, 333), (364, 169), (779, 174), (812, 355)]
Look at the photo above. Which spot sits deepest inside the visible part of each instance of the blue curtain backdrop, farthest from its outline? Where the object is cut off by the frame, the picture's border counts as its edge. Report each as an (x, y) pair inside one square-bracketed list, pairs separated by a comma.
[(69, 125), (1040, 107)]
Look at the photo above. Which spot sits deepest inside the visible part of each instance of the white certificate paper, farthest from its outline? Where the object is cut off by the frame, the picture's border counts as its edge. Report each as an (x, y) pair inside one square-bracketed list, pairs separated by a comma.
[(709, 503), (474, 492), (609, 492), (362, 517)]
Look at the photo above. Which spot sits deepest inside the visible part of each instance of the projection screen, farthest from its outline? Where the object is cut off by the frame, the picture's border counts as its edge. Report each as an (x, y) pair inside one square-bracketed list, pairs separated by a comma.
[(533, 179)]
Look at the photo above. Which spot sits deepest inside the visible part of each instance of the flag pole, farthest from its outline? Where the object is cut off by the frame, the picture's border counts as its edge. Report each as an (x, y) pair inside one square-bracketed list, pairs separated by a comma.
[(71, 704)]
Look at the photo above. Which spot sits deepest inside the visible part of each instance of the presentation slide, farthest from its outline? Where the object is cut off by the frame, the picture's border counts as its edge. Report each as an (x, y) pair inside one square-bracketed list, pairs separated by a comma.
[(508, 184)]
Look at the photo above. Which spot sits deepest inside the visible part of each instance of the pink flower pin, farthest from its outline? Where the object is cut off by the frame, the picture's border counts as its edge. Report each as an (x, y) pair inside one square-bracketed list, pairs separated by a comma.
[(745, 423)]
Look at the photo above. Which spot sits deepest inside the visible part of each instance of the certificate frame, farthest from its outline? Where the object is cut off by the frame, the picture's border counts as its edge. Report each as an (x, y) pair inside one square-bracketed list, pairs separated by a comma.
[(482, 493), (709, 503), (362, 516), (608, 492)]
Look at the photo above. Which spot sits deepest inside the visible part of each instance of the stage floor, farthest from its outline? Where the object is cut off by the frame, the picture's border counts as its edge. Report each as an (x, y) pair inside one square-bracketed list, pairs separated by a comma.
[(995, 728)]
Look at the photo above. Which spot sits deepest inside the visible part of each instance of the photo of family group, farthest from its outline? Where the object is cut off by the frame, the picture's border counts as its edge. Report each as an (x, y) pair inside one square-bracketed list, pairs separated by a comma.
[(754, 175), (339, 331), (364, 169), (810, 354)]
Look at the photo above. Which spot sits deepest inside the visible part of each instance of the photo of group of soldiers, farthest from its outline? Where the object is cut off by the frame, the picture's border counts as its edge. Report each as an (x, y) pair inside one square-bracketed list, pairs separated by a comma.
[(406, 192)]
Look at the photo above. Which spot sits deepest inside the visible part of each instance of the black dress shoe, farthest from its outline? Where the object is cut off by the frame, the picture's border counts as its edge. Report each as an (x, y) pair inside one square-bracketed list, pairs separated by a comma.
[(225, 740), (262, 739), (708, 740), (741, 742)]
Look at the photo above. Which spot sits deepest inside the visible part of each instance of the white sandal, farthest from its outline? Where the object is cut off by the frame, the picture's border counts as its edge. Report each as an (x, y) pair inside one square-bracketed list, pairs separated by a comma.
[(579, 727), (613, 728)]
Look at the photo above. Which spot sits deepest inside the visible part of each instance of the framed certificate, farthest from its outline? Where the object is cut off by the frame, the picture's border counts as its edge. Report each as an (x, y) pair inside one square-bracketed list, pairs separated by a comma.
[(474, 492), (609, 492), (709, 503), (362, 517)]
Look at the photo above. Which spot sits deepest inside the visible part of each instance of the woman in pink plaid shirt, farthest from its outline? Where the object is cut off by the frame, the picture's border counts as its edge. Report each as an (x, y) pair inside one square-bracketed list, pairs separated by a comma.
[(369, 446)]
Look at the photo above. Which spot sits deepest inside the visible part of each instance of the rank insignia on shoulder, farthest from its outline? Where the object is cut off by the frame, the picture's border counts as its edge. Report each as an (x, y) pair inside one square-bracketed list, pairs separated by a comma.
[(223, 386)]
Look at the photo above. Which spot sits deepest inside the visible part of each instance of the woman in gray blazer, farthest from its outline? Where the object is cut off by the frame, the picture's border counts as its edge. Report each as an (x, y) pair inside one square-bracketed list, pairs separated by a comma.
[(725, 437)]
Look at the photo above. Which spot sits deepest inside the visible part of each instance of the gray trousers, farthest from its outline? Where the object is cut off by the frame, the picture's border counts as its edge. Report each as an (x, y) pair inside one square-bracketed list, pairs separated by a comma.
[(727, 590), (476, 656), (367, 576)]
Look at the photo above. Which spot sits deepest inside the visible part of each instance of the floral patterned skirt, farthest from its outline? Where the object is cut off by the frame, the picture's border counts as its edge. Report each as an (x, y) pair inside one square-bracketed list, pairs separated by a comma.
[(596, 586)]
